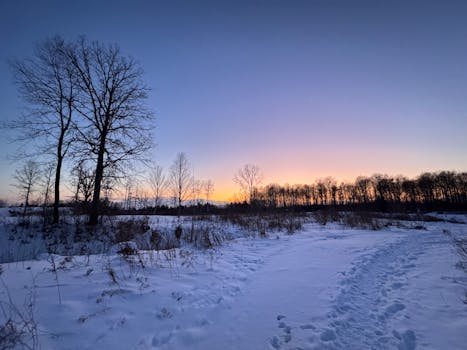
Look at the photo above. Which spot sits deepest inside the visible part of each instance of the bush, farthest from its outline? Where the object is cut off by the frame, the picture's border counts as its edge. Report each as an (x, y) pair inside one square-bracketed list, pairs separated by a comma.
[(127, 249), (205, 234), (163, 239), (324, 216), (361, 220), (155, 240), (260, 224), (127, 230), (460, 243), (18, 328), (178, 232)]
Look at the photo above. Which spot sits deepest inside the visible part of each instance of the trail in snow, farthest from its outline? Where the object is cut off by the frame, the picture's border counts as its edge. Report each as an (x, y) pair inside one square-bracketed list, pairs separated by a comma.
[(371, 299), (284, 304), (392, 298), (374, 291)]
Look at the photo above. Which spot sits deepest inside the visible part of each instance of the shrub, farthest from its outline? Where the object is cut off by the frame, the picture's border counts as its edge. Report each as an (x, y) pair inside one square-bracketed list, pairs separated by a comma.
[(261, 223), (178, 232), (155, 239), (460, 243), (18, 329), (162, 239), (361, 220), (127, 230), (127, 249), (324, 216)]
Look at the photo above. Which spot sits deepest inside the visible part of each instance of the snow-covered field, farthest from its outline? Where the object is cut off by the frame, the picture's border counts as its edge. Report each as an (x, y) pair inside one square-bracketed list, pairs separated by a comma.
[(325, 287)]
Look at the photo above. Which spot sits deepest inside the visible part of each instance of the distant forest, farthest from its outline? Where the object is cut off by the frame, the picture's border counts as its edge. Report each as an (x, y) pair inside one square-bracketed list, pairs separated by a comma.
[(439, 191), (445, 190)]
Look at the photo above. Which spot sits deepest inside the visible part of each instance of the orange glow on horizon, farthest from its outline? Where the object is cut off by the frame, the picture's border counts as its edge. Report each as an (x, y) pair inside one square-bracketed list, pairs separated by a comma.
[(226, 192)]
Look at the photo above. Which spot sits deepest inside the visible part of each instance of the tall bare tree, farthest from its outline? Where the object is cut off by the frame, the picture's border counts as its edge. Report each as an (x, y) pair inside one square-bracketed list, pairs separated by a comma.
[(47, 82), (26, 178), (248, 178), (208, 189), (115, 121), (180, 178), (130, 192), (158, 183), (196, 190)]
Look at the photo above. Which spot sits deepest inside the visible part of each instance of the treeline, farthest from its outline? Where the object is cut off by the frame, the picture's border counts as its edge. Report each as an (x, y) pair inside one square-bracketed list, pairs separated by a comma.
[(445, 190)]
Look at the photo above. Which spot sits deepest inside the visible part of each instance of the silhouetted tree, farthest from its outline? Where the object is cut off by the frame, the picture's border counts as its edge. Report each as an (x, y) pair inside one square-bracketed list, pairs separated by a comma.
[(47, 82), (208, 189), (248, 178), (158, 183), (83, 180), (426, 187), (180, 178), (26, 179), (114, 126), (46, 184), (197, 189)]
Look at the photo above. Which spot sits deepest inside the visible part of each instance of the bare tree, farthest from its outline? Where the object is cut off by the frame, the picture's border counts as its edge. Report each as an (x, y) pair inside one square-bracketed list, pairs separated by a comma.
[(180, 178), (46, 184), (109, 184), (158, 183), (248, 178), (129, 192), (47, 82), (208, 189), (141, 198), (197, 188), (83, 181), (115, 126), (26, 179)]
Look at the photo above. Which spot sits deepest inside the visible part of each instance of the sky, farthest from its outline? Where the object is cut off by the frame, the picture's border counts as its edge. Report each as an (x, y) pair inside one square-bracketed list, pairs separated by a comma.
[(303, 89)]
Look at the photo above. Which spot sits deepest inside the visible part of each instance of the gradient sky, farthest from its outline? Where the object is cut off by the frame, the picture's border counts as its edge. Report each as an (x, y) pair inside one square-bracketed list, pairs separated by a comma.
[(304, 89)]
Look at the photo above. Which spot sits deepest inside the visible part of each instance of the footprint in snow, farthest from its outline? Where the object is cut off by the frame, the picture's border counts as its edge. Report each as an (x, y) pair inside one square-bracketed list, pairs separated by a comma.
[(394, 308), (162, 339), (408, 340), (277, 341), (328, 335), (307, 326), (397, 285), (163, 314), (409, 266)]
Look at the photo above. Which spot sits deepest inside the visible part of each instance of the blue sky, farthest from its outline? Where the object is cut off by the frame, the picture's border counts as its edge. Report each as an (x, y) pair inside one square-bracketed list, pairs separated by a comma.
[(304, 89)]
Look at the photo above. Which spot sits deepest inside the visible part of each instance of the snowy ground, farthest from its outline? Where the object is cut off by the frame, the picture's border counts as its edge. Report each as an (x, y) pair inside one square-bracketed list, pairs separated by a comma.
[(325, 287)]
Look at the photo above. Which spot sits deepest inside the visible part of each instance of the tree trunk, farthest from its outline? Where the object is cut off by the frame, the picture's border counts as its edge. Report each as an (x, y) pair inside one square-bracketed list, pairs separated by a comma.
[(58, 170), (26, 204), (95, 205), (179, 209)]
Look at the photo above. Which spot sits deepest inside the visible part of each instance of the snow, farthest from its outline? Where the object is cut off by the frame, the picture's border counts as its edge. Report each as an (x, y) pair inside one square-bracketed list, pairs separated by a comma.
[(325, 287)]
